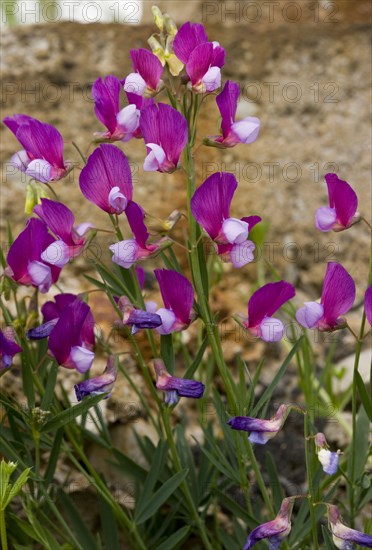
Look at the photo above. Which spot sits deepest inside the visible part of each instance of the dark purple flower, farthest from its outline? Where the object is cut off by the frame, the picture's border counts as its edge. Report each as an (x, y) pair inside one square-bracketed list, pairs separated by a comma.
[(276, 530), (127, 252), (106, 180), (60, 220), (137, 318), (146, 80), (338, 296), (42, 156), (175, 388), (121, 124), (342, 210), (8, 347), (210, 206), (100, 384), (242, 131), (178, 297), (25, 264), (328, 459), (165, 134), (344, 537), (368, 304), (260, 430), (72, 339), (261, 307), (188, 37)]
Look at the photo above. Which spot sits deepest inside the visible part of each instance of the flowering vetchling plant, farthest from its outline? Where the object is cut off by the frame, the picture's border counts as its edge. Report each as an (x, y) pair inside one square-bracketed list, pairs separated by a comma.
[(200, 488)]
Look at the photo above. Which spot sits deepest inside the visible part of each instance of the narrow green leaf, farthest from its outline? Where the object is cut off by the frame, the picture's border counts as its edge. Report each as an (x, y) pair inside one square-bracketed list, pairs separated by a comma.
[(70, 414), (367, 403), (53, 458), (166, 351), (161, 496), (17, 486), (175, 539), (109, 527), (50, 385), (157, 464), (275, 485), (77, 523), (198, 359), (127, 465), (279, 375), (329, 545), (361, 441)]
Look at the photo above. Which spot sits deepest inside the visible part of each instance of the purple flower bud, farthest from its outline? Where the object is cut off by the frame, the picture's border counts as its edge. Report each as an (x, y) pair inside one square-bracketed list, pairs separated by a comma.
[(344, 537), (343, 204), (8, 347), (100, 384), (137, 318), (178, 297), (328, 459), (260, 430), (276, 530), (175, 388), (338, 296)]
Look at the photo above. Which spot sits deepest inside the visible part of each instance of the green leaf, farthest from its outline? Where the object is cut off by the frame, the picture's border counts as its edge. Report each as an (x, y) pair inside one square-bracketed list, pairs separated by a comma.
[(49, 388), (279, 375), (198, 359), (53, 458), (329, 545), (367, 403), (361, 442), (275, 485), (174, 539), (17, 486), (152, 477), (109, 527), (70, 414), (166, 351), (77, 523), (161, 496)]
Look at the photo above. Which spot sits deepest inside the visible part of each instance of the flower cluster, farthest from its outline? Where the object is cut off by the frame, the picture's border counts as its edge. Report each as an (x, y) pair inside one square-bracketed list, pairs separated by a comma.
[(183, 66)]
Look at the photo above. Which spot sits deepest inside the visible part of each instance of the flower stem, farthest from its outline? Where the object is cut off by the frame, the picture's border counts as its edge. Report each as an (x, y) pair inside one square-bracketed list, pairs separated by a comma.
[(309, 442), (4, 540)]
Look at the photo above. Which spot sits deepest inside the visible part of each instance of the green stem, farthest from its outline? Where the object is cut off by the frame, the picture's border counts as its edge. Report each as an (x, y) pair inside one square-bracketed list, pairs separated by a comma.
[(4, 540), (308, 442)]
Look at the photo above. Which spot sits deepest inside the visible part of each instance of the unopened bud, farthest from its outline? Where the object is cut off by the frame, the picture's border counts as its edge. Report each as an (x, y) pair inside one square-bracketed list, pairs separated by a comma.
[(170, 25), (158, 17), (157, 49)]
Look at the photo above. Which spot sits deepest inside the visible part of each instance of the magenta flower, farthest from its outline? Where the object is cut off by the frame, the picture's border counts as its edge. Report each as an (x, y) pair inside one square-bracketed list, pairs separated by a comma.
[(174, 388), (345, 537), (188, 37), (203, 59), (106, 180), (165, 134), (260, 430), (242, 131), (178, 297), (145, 81), (368, 304), (137, 318), (140, 103), (60, 221), (204, 67), (121, 124), (25, 264), (72, 339), (328, 459), (342, 210), (276, 530), (42, 154), (261, 307), (127, 252), (100, 384), (210, 206), (8, 347), (338, 296)]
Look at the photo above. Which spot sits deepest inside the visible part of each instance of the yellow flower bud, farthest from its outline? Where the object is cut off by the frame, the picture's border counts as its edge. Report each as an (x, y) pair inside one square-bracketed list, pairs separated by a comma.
[(157, 49), (31, 199), (158, 17), (170, 25)]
